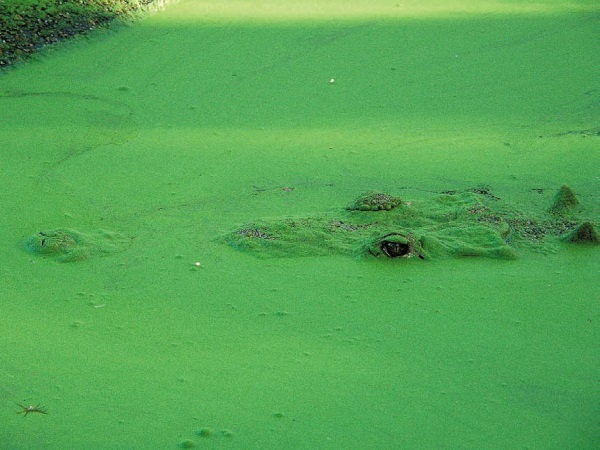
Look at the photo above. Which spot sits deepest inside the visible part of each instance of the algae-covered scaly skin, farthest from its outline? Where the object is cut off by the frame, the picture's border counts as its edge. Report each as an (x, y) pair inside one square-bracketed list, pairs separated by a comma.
[(471, 222), (375, 201)]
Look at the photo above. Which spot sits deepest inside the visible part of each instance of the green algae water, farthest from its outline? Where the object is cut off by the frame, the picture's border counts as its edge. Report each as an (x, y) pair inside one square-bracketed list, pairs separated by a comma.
[(129, 157)]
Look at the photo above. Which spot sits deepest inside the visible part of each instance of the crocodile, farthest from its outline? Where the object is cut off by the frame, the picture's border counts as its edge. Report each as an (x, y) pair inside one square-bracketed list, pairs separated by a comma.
[(471, 222)]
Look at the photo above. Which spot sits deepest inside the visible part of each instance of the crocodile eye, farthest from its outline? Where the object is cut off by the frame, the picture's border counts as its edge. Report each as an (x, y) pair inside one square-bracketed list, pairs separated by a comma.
[(395, 249)]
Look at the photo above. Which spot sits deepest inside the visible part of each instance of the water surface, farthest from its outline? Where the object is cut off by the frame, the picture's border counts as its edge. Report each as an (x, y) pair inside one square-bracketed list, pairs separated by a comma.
[(175, 130)]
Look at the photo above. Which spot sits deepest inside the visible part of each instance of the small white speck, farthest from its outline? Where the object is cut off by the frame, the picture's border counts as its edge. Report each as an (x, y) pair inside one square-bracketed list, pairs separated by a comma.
[(197, 264), (332, 81), (99, 306)]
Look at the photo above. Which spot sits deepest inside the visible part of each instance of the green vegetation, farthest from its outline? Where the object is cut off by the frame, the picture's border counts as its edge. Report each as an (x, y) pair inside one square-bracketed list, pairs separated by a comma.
[(26, 26)]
